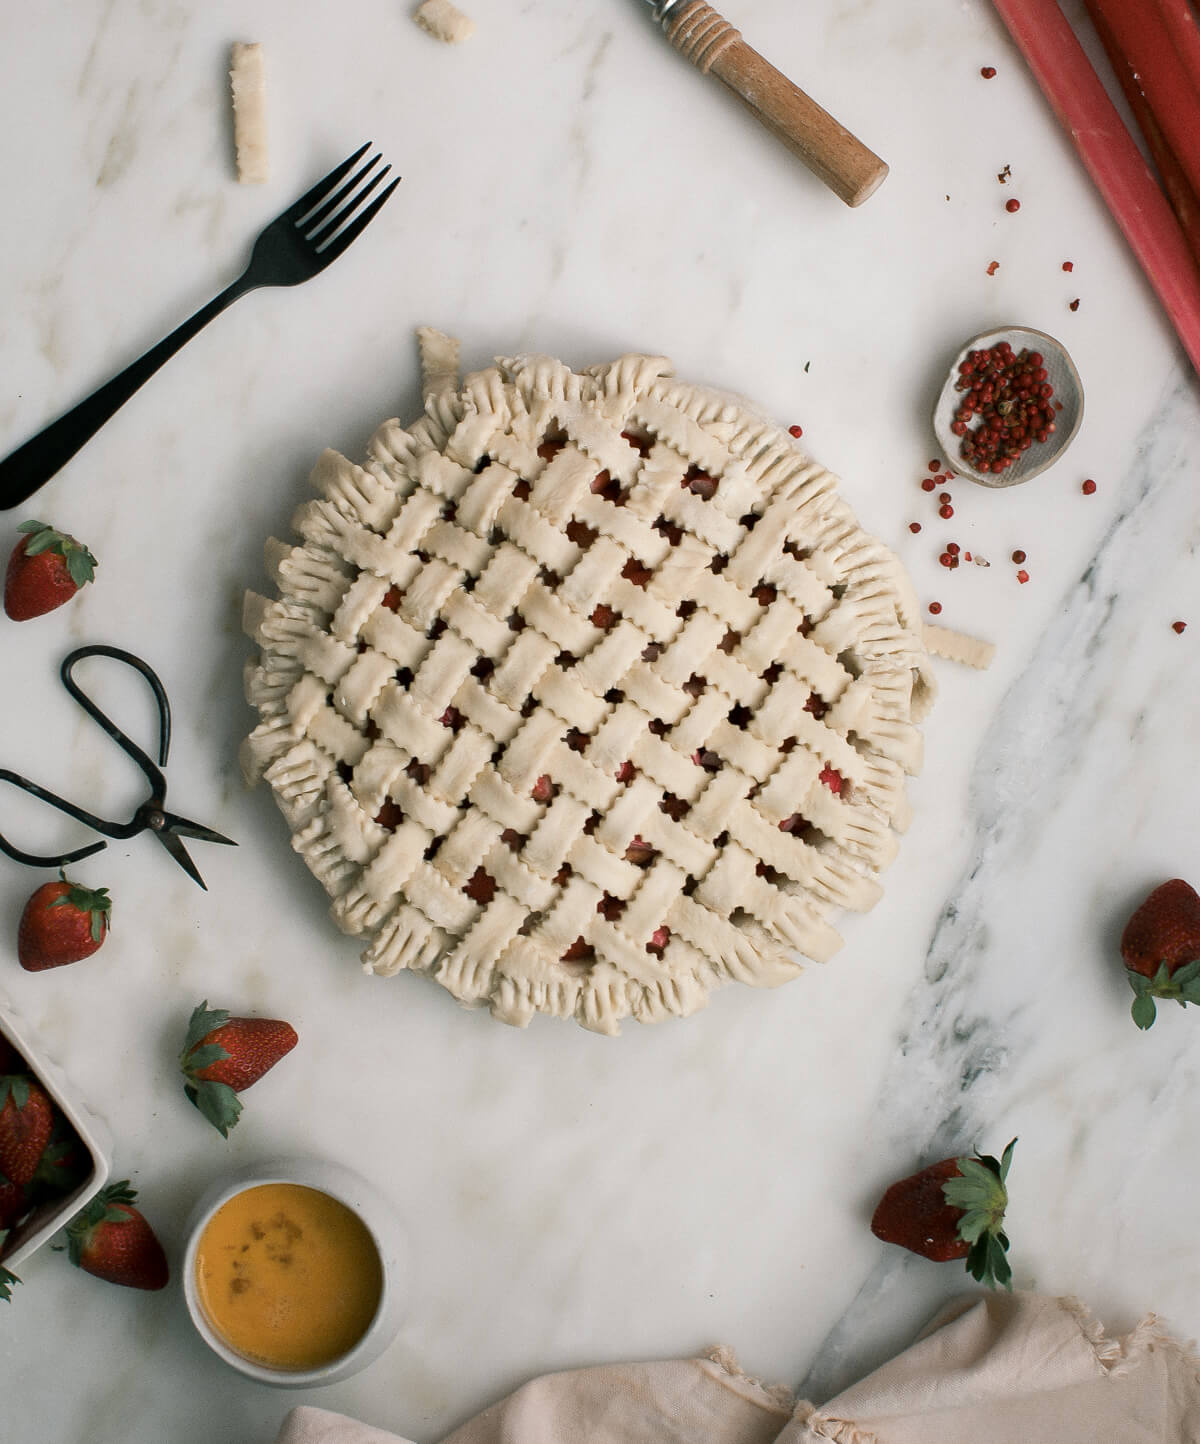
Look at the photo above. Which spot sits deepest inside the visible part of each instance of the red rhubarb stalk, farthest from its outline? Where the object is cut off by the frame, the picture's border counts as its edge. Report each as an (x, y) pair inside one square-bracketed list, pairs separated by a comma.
[(1173, 176), (1149, 34), (1114, 162)]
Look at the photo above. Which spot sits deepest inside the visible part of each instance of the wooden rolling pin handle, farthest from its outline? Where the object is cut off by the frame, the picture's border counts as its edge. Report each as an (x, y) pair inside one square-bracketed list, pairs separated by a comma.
[(714, 47)]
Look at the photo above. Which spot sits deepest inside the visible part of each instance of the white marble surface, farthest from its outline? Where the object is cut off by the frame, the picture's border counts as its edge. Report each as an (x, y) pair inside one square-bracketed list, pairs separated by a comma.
[(571, 186)]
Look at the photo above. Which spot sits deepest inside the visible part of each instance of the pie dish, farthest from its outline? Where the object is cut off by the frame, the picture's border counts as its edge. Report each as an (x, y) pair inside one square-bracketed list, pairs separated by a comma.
[(586, 693)]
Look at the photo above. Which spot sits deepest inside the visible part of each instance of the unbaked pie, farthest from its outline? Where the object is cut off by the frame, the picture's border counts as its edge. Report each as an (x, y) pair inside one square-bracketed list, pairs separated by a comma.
[(586, 693)]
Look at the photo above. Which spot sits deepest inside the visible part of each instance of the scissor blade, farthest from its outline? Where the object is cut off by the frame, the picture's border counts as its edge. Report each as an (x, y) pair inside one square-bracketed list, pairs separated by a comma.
[(180, 853), (172, 822)]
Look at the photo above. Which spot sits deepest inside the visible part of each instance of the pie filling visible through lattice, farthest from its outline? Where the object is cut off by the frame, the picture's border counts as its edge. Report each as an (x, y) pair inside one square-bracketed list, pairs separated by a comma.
[(586, 693)]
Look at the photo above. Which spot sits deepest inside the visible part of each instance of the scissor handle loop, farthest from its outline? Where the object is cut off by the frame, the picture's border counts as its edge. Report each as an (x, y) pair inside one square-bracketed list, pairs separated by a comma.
[(131, 748), (61, 859)]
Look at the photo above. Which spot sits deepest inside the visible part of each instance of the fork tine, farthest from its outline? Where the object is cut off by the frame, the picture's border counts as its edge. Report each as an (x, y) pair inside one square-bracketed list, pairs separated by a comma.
[(313, 197), (338, 244), (313, 223), (327, 231)]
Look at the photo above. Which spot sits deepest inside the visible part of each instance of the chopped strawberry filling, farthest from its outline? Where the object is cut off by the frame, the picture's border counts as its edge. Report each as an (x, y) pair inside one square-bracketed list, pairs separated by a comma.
[(579, 952), (640, 444), (453, 719), (797, 824), (816, 705), (700, 484), (658, 942), (832, 779), (708, 760), (511, 838), (633, 571), (543, 789), (392, 598), (389, 815), (548, 450), (604, 617), (610, 908), (640, 852), (626, 772), (481, 888)]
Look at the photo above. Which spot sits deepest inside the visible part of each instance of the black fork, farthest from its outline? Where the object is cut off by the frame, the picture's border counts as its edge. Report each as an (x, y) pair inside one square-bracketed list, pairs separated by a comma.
[(295, 246)]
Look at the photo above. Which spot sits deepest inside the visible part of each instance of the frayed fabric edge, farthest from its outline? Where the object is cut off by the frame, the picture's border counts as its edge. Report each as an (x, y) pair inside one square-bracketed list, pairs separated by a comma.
[(1120, 1356), (775, 1396), (837, 1431)]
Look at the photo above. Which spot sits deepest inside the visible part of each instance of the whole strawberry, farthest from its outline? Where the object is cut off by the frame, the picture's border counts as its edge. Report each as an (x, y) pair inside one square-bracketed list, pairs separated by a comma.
[(952, 1209), (223, 1056), (26, 1122), (46, 569), (62, 923), (1161, 949), (112, 1240)]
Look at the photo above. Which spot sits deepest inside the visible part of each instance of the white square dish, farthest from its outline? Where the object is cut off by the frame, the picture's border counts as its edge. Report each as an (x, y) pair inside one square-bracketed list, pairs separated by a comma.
[(49, 1216)]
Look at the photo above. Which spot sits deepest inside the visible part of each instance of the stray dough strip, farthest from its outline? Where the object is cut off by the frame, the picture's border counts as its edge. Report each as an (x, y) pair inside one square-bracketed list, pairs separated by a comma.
[(444, 21), (247, 78), (957, 646)]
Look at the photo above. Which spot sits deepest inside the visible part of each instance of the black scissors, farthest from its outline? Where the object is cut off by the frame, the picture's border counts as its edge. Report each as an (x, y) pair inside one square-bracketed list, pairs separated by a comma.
[(168, 827)]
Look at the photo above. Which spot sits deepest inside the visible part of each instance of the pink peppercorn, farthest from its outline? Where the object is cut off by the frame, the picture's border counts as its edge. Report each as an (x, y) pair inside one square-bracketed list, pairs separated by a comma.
[(946, 511), (1178, 627), (935, 608), (1088, 487), (928, 484), (796, 431), (988, 71), (1012, 206), (1022, 577), (914, 527)]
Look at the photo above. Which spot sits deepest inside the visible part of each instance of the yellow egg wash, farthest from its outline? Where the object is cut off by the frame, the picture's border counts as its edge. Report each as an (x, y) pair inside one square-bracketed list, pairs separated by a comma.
[(289, 1277)]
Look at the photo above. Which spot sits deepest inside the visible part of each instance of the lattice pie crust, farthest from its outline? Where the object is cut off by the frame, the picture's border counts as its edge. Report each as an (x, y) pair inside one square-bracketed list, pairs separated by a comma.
[(586, 693)]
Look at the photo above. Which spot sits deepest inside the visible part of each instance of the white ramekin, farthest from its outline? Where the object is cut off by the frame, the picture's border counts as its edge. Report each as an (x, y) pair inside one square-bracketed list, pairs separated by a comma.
[(364, 1200)]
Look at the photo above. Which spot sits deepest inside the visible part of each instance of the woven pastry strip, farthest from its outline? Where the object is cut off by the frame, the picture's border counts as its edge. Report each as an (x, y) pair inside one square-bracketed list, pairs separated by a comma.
[(586, 693)]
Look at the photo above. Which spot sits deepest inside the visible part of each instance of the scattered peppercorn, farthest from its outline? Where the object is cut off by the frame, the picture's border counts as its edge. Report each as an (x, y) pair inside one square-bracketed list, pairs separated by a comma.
[(945, 498), (946, 559), (1018, 557), (1088, 487), (1068, 265), (935, 465), (953, 548), (993, 267), (1074, 306), (1022, 577), (914, 527), (796, 431), (1179, 627), (928, 483), (988, 72), (1012, 206), (935, 608), (945, 511)]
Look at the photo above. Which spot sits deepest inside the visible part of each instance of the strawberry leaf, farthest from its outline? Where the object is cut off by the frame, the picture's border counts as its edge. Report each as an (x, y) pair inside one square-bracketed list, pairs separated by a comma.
[(203, 1021), (16, 1087), (218, 1102), (99, 1210), (81, 564), (205, 1054), (32, 526), (1143, 1011), (7, 1279)]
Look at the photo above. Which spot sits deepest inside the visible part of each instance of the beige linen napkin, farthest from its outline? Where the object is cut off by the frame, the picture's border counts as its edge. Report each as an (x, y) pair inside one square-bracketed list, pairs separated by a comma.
[(1002, 1369)]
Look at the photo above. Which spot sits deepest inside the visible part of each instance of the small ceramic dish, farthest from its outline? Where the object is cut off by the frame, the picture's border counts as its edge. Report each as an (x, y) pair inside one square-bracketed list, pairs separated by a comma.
[(52, 1213), (258, 1249), (1068, 392)]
